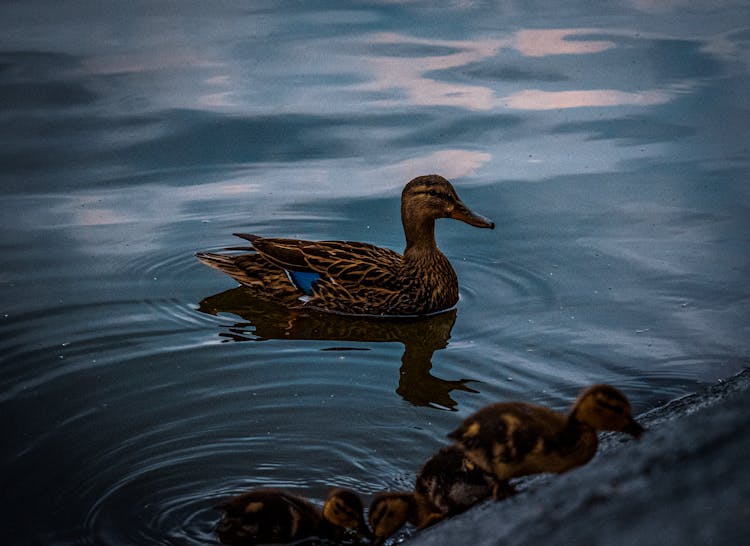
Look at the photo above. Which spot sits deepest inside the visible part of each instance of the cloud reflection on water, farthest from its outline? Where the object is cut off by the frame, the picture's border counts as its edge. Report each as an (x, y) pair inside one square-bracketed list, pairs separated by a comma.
[(408, 73), (536, 99), (556, 41), (451, 163), (413, 72)]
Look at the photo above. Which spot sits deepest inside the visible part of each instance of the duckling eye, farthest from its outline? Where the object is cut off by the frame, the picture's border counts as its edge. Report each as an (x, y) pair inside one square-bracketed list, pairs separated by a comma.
[(432, 193)]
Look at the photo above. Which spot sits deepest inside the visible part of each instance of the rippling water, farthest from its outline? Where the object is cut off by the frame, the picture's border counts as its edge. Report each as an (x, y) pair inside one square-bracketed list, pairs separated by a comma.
[(139, 388)]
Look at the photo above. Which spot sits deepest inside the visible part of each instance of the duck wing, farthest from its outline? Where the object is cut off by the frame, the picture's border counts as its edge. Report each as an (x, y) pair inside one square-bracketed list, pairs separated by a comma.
[(344, 262)]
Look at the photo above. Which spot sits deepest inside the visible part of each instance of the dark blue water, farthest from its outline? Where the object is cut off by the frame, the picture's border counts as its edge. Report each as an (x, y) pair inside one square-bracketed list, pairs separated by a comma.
[(607, 140)]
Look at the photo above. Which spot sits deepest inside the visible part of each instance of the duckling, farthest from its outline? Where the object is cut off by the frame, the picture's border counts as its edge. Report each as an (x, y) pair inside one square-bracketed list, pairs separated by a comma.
[(343, 514), (389, 511), (270, 516), (449, 483), (514, 439)]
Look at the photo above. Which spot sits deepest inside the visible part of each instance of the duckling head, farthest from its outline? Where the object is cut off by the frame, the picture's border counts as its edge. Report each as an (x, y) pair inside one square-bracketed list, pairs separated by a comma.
[(428, 197), (343, 508), (389, 512), (603, 407)]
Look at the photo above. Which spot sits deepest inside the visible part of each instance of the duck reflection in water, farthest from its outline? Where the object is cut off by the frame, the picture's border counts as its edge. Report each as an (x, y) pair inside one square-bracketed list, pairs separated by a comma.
[(421, 337)]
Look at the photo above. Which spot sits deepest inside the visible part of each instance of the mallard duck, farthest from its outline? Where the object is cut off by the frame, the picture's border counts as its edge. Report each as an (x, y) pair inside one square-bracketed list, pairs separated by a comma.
[(271, 516), (359, 278), (449, 483), (389, 511), (514, 439)]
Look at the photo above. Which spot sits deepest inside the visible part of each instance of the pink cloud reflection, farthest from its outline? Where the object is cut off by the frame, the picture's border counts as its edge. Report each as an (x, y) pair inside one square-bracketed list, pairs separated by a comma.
[(545, 42), (535, 99), (410, 74)]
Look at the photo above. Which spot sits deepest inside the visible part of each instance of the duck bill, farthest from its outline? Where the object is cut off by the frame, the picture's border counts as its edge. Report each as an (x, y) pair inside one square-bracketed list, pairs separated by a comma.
[(633, 428), (463, 213)]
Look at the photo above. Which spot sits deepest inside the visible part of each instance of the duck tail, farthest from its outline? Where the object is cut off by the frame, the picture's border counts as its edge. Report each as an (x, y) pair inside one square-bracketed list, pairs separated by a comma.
[(221, 262), (246, 269), (254, 272), (247, 236)]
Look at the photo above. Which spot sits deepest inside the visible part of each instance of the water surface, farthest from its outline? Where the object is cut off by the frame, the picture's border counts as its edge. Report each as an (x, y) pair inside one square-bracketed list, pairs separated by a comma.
[(608, 141)]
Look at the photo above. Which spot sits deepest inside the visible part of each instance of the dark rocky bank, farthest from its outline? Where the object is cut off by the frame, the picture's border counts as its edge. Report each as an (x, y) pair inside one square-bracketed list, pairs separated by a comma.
[(685, 482)]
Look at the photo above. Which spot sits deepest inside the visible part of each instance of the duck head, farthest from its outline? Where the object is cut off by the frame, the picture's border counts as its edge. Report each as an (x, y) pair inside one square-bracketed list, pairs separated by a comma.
[(603, 407), (429, 197), (389, 512), (343, 508)]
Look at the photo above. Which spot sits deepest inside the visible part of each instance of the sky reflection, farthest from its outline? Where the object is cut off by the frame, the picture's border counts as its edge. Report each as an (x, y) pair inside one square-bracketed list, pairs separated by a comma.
[(408, 73), (662, 6), (544, 42), (416, 76), (535, 99)]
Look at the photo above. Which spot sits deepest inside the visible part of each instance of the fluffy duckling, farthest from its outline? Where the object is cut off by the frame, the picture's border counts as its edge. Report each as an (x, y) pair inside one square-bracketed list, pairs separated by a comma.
[(514, 439), (343, 513), (449, 483), (270, 516), (389, 512)]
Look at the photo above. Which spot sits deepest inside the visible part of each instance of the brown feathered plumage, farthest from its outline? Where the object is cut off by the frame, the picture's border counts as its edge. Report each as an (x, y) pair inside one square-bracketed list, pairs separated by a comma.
[(389, 512), (449, 483), (359, 278), (514, 439), (264, 516)]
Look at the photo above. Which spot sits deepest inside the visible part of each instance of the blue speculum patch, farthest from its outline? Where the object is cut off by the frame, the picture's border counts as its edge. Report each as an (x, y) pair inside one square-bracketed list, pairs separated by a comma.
[(304, 280)]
